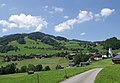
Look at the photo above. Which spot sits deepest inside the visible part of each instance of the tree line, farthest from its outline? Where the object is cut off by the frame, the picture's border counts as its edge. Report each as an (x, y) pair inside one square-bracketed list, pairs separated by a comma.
[(11, 68), (113, 43), (6, 48)]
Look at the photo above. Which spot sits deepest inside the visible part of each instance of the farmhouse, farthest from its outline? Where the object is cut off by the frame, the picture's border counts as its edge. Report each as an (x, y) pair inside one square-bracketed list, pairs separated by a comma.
[(116, 59), (82, 64), (95, 56), (31, 72), (71, 64), (73, 53)]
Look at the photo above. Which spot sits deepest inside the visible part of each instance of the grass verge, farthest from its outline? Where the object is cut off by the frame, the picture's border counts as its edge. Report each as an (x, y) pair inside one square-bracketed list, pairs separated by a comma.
[(110, 74), (53, 76)]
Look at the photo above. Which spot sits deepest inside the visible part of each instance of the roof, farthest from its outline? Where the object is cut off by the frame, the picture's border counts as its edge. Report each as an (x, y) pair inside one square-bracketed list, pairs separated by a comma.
[(118, 56)]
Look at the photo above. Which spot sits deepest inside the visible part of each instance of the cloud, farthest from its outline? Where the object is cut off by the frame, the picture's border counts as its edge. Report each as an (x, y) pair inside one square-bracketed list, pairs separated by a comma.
[(46, 6), (12, 9), (66, 17), (4, 23), (97, 17), (65, 25), (82, 34), (58, 9), (84, 16), (53, 10), (4, 30), (106, 11), (25, 22), (2, 5), (28, 21)]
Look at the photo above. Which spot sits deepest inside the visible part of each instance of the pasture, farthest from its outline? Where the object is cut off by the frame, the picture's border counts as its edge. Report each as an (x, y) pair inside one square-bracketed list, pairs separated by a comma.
[(53, 76)]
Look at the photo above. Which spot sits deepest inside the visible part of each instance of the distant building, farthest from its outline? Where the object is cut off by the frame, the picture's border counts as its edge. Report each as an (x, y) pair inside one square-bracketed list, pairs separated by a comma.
[(104, 56), (71, 64), (116, 59), (31, 72), (96, 56), (82, 64)]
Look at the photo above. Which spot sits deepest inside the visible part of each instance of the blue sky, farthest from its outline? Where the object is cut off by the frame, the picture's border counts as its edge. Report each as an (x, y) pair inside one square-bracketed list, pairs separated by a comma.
[(74, 19)]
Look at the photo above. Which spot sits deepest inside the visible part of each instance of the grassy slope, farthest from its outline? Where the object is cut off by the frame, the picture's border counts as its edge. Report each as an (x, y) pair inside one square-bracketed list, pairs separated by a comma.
[(72, 44), (102, 63), (31, 43), (116, 51), (110, 74), (52, 76), (52, 62)]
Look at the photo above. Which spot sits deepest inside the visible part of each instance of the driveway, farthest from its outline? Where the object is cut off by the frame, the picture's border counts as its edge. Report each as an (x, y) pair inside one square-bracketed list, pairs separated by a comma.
[(86, 77)]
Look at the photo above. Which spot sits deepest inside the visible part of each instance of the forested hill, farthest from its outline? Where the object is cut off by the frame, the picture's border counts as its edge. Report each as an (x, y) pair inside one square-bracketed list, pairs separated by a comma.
[(48, 39), (6, 42), (45, 38), (36, 41), (113, 43)]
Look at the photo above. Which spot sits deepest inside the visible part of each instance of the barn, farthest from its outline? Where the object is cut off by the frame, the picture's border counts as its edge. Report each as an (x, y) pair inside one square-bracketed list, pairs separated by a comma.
[(116, 59)]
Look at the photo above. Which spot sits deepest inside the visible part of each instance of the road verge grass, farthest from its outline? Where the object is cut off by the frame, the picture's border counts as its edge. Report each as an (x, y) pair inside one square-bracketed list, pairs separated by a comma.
[(110, 74)]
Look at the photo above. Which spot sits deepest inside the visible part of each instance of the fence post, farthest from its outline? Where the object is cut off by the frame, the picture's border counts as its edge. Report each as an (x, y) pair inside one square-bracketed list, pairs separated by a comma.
[(66, 73), (38, 78)]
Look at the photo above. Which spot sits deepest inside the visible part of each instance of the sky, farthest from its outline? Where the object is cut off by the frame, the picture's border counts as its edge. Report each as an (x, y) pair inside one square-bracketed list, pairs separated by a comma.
[(89, 20)]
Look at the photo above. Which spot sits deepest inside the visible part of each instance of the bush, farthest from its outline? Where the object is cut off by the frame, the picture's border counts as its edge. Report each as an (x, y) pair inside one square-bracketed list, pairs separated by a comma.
[(31, 67), (2, 70), (38, 67), (47, 68), (59, 67), (24, 69), (8, 69), (17, 70)]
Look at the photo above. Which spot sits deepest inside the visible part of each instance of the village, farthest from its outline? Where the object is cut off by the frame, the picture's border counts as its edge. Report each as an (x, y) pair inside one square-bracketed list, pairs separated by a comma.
[(59, 41), (70, 56)]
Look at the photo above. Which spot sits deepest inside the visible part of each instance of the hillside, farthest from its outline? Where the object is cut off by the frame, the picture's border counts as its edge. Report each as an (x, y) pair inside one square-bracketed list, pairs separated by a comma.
[(29, 51), (37, 43), (41, 43)]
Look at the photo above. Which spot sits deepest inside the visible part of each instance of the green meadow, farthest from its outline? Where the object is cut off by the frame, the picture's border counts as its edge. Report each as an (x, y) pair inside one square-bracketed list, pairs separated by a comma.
[(52, 62), (53, 76), (110, 74)]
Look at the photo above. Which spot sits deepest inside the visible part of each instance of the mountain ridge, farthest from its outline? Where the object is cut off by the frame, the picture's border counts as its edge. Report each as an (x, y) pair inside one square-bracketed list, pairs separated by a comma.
[(38, 40)]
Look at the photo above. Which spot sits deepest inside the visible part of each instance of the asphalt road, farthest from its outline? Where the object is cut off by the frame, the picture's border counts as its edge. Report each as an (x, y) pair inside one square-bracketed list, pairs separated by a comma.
[(86, 77)]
